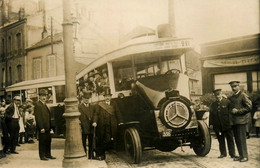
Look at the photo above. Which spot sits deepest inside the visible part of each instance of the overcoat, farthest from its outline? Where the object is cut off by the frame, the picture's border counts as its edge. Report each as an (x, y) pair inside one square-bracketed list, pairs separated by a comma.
[(243, 104), (220, 116), (87, 115), (42, 116), (108, 118)]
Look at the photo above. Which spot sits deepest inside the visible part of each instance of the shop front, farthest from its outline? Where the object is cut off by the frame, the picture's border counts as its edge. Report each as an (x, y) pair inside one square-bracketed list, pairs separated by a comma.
[(231, 59)]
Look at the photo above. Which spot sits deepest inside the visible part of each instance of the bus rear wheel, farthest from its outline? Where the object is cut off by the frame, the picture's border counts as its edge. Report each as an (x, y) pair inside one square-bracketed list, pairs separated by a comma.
[(133, 147)]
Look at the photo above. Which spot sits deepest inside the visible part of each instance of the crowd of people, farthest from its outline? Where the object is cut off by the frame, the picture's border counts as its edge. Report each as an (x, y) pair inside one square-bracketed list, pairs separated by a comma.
[(17, 125), (95, 82), (229, 117)]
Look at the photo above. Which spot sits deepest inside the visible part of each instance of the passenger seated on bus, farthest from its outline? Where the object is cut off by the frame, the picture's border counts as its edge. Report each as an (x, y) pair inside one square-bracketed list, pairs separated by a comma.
[(97, 81), (104, 79), (91, 82)]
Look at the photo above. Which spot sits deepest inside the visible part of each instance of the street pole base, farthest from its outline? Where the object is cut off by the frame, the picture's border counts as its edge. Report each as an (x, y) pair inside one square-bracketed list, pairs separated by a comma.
[(82, 162)]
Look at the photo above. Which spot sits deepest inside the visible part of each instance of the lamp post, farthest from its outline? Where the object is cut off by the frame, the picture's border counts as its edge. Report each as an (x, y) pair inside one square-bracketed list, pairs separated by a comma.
[(74, 155)]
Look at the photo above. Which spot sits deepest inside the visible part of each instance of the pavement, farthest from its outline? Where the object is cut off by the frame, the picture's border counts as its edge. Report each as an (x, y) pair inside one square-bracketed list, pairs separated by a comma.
[(28, 157)]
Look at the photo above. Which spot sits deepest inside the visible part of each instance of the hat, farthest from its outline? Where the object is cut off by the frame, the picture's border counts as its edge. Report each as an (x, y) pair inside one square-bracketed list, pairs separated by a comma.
[(17, 98), (104, 71), (43, 92), (217, 91), (107, 92), (87, 94), (234, 83), (91, 74), (96, 72)]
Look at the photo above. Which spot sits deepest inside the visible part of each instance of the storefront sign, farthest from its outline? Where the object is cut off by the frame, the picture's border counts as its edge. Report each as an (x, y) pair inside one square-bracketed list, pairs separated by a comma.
[(231, 62)]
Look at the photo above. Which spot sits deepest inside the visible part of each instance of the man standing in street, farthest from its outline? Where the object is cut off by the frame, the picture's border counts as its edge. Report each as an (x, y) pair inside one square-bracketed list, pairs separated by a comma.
[(12, 116), (108, 120), (43, 124), (220, 120), (87, 112), (240, 110)]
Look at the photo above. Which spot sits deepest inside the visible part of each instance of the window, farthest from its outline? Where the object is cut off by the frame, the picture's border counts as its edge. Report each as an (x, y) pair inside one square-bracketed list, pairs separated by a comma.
[(3, 78), (19, 73), (123, 75), (10, 44), (256, 81), (3, 47), (60, 93), (19, 41), (222, 80), (51, 64), (10, 75), (36, 68)]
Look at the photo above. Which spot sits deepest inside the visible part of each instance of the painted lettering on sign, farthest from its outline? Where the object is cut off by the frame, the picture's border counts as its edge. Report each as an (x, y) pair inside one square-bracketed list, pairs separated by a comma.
[(229, 62), (172, 44)]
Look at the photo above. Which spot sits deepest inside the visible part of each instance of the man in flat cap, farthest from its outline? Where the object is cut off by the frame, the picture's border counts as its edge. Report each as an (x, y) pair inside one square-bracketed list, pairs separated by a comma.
[(88, 113), (220, 120), (43, 124), (12, 116), (240, 110)]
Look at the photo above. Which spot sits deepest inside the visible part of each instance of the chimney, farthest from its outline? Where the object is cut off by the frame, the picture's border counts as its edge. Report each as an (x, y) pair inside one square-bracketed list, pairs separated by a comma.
[(21, 13), (5, 13), (43, 9), (171, 17), (44, 32)]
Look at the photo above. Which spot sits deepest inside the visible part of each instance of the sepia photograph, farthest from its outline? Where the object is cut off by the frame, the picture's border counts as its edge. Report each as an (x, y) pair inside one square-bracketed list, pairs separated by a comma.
[(129, 83)]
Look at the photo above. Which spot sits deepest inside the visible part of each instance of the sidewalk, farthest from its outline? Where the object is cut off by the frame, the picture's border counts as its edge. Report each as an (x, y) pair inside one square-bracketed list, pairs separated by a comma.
[(28, 157)]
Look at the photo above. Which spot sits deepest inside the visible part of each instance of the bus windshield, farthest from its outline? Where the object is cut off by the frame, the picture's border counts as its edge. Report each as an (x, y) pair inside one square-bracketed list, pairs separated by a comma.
[(130, 68)]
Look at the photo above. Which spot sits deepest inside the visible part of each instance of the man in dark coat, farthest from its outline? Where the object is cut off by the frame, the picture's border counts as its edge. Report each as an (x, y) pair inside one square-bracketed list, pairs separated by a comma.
[(12, 122), (108, 120), (240, 110), (43, 124), (86, 118), (220, 119)]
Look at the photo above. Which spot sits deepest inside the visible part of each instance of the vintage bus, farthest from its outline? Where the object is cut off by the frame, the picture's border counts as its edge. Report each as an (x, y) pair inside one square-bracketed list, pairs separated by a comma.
[(56, 95), (148, 81)]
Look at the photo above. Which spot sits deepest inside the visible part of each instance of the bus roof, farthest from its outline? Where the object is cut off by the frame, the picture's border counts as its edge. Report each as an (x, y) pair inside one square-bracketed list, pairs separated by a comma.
[(37, 83), (158, 46)]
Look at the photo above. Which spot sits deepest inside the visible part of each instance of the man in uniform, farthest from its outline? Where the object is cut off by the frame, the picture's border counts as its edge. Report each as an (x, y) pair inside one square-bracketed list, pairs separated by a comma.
[(12, 116), (86, 118), (240, 109), (108, 120), (43, 124), (220, 120)]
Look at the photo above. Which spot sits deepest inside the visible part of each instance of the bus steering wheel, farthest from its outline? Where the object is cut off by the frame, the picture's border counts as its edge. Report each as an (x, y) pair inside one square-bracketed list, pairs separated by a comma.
[(173, 71)]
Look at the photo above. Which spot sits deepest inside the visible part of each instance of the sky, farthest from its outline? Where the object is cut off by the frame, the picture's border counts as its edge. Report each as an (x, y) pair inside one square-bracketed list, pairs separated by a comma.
[(202, 20)]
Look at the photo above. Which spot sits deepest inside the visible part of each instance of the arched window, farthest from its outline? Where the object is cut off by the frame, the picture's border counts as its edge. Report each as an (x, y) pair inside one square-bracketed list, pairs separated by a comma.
[(19, 73), (9, 45), (19, 41), (10, 76), (3, 78)]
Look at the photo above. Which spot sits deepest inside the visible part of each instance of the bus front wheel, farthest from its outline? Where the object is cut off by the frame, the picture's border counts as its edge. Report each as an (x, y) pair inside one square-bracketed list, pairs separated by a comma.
[(133, 147)]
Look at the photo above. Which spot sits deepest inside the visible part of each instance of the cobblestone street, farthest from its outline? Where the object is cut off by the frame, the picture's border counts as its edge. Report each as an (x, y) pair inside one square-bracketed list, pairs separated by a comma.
[(179, 159), (28, 158)]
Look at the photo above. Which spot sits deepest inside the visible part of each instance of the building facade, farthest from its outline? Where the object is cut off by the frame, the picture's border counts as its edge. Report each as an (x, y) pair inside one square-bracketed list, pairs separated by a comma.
[(231, 59), (12, 62)]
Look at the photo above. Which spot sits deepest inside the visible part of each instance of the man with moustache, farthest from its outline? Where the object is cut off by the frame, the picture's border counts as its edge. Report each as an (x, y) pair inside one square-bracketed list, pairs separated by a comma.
[(43, 124), (240, 110), (220, 120)]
